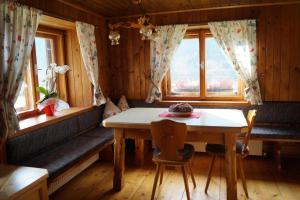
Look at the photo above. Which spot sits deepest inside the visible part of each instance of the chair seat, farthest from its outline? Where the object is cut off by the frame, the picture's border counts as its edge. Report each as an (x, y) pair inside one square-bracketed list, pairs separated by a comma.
[(186, 153), (220, 148)]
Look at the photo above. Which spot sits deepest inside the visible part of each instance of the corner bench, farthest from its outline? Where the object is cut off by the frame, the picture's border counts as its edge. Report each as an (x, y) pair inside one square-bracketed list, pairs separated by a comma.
[(275, 121), (64, 148)]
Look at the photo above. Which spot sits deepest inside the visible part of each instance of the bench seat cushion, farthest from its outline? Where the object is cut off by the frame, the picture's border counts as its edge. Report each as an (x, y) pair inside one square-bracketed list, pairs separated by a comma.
[(275, 132), (61, 157), (220, 148)]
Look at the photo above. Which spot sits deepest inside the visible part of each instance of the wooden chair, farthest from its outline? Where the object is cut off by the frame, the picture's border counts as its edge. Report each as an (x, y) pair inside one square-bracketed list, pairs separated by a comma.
[(242, 151), (168, 137)]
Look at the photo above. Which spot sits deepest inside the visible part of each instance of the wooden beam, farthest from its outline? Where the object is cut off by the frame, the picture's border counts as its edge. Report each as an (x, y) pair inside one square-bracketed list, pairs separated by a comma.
[(211, 8), (79, 7)]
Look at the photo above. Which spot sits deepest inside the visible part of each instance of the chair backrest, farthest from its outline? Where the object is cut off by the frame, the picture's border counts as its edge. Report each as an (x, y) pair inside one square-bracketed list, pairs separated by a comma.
[(250, 120), (168, 137)]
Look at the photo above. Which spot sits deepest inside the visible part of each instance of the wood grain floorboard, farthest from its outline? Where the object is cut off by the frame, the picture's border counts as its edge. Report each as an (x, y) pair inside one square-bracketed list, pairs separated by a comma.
[(264, 182)]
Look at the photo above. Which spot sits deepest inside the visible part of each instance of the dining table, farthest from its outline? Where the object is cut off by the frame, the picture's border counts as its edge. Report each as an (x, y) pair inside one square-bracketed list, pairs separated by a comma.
[(217, 126)]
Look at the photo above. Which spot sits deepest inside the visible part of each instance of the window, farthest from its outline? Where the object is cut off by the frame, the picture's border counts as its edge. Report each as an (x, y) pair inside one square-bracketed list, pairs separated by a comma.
[(200, 71), (44, 57), (185, 69), (43, 54)]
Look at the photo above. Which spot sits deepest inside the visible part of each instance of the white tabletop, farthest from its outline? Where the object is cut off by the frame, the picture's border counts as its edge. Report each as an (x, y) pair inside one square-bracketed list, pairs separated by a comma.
[(142, 117)]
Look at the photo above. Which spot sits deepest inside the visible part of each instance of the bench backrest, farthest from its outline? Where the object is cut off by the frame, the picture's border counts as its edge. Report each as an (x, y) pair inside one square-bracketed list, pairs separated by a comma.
[(278, 112)]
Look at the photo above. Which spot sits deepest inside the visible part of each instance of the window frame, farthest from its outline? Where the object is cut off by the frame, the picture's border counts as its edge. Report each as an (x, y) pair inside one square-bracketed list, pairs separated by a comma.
[(58, 37), (29, 98), (166, 86)]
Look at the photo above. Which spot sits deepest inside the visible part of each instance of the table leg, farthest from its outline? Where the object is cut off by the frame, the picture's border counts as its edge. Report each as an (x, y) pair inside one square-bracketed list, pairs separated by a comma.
[(119, 159), (230, 166), (43, 191), (139, 151)]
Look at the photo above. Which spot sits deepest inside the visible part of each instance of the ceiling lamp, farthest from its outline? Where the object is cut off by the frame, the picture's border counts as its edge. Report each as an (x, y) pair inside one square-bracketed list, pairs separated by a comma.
[(146, 29), (114, 37)]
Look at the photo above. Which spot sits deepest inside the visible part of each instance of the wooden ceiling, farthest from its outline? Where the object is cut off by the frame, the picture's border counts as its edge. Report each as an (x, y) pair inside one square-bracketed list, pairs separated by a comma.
[(119, 8)]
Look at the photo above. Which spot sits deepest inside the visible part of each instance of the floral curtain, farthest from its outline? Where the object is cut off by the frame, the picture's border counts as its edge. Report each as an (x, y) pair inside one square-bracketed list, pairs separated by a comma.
[(238, 41), (162, 49), (87, 41), (18, 27)]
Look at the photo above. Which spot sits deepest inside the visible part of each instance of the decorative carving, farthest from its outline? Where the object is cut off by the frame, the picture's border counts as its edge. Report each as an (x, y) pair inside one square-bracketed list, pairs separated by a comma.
[(146, 29)]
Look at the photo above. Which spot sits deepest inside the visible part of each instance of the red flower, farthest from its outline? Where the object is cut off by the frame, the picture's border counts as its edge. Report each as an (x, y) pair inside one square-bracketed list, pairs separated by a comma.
[(9, 61), (12, 6), (19, 37), (238, 30)]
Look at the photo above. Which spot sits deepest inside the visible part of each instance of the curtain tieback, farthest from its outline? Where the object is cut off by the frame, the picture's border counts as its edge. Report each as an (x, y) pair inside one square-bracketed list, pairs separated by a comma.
[(251, 84), (151, 80)]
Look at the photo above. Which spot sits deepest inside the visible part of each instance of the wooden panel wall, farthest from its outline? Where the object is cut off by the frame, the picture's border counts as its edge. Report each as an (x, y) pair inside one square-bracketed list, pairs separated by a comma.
[(79, 87), (278, 33)]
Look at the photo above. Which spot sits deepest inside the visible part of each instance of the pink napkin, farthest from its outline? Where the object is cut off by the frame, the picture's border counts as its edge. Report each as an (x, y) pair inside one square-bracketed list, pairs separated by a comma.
[(167, 114)]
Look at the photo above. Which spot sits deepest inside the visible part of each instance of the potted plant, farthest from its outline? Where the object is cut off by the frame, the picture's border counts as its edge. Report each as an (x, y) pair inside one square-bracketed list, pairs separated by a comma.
[(49, 101)]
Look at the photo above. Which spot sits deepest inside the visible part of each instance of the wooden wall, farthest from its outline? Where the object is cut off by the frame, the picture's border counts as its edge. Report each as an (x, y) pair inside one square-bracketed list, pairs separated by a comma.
[(79, 87), (278, 33)]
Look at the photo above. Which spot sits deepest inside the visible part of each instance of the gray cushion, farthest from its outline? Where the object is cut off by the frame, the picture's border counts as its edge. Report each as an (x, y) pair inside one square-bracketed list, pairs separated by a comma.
[(91, 118), (25, 146), (279, 112), (58, 159), (220, 148), (276, 132), (99, 132), (186, 153)]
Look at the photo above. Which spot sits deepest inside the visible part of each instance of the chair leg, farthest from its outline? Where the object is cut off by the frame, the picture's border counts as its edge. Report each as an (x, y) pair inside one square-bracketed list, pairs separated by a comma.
[(185, 182), (161, 174), (192, 174), (278, 155), (241, 170), (155, 180), (210, 172)]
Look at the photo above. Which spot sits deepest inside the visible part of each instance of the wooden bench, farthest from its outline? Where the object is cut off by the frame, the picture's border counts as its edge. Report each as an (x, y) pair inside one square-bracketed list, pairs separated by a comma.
[(278, 134), (65, 147), (278, 122)]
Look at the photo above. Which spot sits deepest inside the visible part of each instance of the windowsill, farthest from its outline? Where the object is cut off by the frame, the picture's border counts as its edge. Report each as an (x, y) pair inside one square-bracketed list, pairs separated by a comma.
[(39, 121), (206, 103), (28, 114)]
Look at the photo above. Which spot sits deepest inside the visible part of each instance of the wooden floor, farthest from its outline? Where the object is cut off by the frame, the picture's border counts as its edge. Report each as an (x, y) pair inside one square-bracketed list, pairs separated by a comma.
[(264, 181)]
